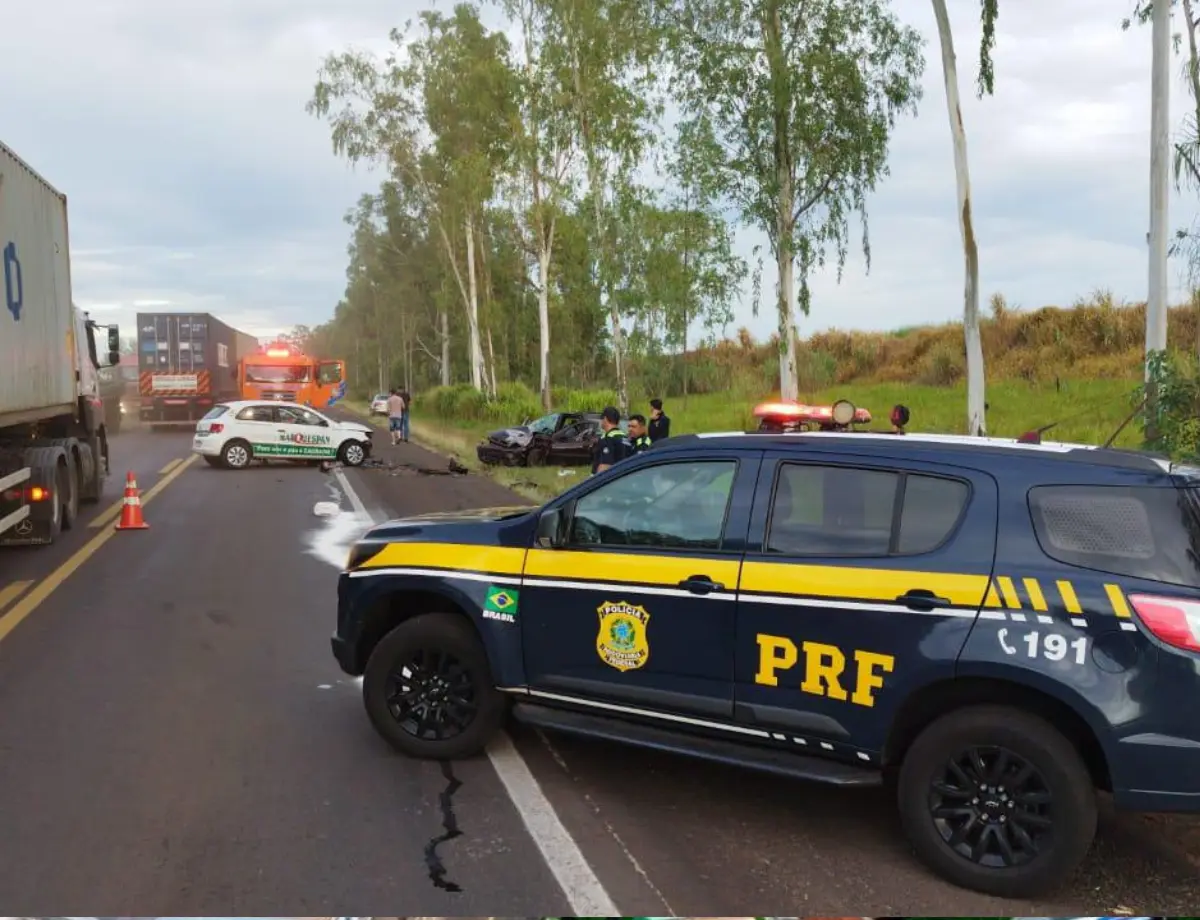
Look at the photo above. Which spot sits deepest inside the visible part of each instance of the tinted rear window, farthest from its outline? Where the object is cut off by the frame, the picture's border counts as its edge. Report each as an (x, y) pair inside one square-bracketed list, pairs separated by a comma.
[(844, 511), (216, 412), (1139, 531)]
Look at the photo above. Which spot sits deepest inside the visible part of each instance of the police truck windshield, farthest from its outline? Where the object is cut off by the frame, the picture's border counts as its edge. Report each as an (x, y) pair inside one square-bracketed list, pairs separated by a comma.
[(258, 373)]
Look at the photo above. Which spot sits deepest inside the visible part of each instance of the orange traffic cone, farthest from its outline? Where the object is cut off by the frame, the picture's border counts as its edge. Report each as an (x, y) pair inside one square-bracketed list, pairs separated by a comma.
[(131, 511)]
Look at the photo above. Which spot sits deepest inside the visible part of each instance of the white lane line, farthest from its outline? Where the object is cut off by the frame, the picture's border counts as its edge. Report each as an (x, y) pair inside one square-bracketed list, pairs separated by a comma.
[(563, 856), (355, 501)]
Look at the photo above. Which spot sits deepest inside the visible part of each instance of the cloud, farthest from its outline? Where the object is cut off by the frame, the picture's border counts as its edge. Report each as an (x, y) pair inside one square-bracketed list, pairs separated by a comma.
[(197, 182)]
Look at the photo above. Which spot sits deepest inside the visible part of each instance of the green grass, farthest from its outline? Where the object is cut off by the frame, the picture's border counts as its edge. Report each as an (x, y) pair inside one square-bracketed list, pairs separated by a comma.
[(1087, 412)]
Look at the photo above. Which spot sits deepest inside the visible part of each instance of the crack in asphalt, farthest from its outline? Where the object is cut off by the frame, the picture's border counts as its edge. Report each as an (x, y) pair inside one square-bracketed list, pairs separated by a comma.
[(433, 860)]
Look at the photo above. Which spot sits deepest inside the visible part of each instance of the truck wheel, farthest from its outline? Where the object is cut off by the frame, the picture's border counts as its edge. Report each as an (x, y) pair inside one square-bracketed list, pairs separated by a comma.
[(69, 492), (997, 800), (236, 455), (352, 453), (429, 691), (49, 466)]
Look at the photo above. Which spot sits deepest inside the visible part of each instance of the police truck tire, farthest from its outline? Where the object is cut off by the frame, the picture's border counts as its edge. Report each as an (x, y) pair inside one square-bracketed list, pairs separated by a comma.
[(452, 635), (1071, 809)]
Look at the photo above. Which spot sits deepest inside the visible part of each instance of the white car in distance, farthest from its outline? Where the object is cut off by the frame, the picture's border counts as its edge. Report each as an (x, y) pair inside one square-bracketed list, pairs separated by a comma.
[(235, 434), (379, 404)]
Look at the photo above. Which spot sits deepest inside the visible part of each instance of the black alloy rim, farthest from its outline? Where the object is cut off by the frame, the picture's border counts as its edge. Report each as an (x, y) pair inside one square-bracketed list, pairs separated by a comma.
[(993, 807), (431, 695)]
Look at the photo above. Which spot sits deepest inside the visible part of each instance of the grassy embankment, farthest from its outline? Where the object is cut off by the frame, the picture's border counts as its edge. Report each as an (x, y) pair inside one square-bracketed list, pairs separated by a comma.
[(1079, 367)]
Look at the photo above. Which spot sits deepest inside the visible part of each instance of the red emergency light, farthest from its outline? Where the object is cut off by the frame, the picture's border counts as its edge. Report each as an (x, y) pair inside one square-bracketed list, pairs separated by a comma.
[(277, 351), (792, 416)]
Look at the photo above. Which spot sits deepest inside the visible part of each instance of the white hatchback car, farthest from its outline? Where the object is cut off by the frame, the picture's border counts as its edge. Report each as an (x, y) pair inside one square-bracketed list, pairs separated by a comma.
[(379, 404), (234, 434)]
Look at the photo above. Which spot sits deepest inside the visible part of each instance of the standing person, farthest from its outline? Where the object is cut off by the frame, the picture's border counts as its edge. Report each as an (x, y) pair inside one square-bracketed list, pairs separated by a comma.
[(638, 438), (660, 425), (612, 447), (395, 411), (404, 418)]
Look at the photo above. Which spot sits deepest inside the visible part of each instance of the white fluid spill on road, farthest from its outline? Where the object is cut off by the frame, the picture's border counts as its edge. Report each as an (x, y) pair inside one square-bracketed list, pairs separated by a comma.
[(330, 541)]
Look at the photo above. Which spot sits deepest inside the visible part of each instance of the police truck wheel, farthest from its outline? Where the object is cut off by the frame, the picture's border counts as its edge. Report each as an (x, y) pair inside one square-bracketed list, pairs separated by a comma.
[(998, 801), (352, 453), (429, 690), (236, 455)]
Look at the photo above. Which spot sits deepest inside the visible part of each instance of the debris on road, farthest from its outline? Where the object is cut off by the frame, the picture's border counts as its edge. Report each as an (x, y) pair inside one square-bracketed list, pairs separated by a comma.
[(397, 468), (326, 509)]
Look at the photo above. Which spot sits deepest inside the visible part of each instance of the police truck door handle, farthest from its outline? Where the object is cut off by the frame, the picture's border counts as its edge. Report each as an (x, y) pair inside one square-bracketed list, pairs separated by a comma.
[(921, 599), (701, 584)]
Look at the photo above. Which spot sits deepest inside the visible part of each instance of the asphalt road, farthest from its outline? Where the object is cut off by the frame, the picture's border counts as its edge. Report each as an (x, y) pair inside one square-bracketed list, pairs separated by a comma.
[(175, 739)]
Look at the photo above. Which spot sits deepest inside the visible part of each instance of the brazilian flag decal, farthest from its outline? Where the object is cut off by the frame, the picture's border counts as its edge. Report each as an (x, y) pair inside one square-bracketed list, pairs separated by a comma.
[(501, 600)]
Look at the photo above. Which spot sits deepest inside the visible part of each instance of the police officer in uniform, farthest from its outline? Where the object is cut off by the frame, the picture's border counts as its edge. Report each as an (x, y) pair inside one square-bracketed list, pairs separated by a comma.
[(639, 440), (613, 447)]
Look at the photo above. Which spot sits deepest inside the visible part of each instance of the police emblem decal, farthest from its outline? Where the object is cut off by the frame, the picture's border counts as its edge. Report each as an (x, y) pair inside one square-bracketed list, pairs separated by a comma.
[(623, 642)]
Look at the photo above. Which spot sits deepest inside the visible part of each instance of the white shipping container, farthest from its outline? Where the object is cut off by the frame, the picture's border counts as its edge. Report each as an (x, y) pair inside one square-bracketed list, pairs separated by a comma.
[(37, 332)]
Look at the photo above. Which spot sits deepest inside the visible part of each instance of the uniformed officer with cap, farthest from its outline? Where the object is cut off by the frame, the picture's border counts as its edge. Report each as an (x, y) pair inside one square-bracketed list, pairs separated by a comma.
[(639, 439), (613, 447)]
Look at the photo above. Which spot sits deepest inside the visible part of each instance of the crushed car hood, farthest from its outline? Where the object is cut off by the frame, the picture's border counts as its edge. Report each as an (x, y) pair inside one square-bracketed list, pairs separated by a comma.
[(517, 436)]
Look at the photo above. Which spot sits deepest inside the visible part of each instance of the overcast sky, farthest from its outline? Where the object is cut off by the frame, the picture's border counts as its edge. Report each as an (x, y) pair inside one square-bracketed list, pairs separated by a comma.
[(196, 180)]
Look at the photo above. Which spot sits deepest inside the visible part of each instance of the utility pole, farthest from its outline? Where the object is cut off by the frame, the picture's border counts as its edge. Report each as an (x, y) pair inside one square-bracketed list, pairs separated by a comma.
[(1160, 141)]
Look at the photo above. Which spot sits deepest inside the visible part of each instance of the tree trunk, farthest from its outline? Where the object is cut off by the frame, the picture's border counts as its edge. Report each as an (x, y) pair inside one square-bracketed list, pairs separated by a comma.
[(976, 393), (785, 212), (383, 387), (476, 348), (595, 180), (444, 316), (545, 241), (492, 364)]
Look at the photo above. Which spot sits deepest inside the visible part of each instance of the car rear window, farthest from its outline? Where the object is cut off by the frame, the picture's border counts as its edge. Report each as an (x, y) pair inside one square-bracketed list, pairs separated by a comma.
[(844, 511), (1150, 532), (215, 412)]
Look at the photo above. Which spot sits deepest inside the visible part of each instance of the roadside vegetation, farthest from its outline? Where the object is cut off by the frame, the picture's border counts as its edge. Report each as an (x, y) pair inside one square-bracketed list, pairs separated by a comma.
[(545, 237), (1078, 368)]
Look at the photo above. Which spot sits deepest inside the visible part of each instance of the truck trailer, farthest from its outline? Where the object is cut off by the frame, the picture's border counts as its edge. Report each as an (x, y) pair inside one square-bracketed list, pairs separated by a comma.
[(53, 436), (187, 362)]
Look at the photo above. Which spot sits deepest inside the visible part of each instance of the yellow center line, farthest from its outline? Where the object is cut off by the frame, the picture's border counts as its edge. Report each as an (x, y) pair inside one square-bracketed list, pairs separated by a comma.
[(170, 466), (47, 586), (11, 592)]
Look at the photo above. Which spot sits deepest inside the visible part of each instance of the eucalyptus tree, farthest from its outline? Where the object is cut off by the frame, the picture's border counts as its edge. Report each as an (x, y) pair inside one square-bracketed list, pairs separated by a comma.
[(546, 145), (800, 98), (608, 50), (976, 387), (438, 111)]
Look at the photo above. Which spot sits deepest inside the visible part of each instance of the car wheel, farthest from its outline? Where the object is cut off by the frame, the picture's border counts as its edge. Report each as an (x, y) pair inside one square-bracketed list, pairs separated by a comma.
[(997, 800), (236, 455), (352, 453), (428, 689), (537, 456)]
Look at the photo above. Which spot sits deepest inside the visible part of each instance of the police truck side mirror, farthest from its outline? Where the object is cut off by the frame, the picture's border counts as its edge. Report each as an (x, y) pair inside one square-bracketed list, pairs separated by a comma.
[(114, 345), (549, 529)]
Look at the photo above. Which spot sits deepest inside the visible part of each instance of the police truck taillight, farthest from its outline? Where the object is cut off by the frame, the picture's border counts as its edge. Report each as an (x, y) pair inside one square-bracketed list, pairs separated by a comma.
[(1172, 619)]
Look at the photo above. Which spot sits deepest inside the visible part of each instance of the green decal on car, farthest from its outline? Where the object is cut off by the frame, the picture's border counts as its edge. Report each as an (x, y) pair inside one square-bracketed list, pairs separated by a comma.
[(291, 450), (501, 604)]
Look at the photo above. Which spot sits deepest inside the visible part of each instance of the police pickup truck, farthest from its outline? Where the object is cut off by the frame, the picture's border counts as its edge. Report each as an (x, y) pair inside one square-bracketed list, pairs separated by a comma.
[(996, 629)]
